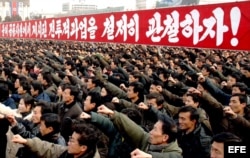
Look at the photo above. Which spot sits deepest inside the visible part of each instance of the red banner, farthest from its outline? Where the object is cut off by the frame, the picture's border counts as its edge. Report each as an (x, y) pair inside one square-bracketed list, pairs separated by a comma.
[(220, 26)]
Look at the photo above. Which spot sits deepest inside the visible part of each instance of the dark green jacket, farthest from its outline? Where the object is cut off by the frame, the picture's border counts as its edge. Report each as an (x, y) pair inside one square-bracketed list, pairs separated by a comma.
[(140, 138)]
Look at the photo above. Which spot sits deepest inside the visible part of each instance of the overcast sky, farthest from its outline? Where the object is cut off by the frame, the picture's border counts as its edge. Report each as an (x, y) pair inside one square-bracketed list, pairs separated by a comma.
[(56, 5)]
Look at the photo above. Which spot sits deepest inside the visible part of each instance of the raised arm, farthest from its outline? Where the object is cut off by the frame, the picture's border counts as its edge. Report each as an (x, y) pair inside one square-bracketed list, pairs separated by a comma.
[(40, 148)]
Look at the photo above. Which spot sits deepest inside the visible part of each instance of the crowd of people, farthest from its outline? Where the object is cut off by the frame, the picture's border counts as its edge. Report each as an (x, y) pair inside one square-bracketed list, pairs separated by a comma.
[(96, 100)]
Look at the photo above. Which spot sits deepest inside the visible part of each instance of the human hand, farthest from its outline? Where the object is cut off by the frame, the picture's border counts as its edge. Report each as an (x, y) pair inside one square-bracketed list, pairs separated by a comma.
[(104, 110), (143, 106), (68, 73), (159, 89), (12, 120), (223, 83), (19, 139), (229, 112), (84, 115), (123, 87), (201, 78), (194, 91), (139, 154), (115, 100)]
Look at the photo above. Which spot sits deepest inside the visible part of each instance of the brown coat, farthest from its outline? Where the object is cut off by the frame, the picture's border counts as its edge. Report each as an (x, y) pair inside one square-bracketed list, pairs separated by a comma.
[(239, 126)]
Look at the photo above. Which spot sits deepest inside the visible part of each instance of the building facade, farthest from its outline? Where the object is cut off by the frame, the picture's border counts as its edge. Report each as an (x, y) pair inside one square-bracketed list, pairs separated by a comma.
[(10, 8)]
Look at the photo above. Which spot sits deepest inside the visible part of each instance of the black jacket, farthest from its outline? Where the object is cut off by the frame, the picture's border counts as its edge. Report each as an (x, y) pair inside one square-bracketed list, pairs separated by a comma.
[(195, 144), (67, 113)]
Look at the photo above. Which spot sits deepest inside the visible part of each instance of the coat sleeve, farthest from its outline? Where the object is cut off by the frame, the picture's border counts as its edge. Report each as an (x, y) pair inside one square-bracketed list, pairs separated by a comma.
[(241, 123), (21, 130), (115, 91), (104, 124), (172, 98), (127, 104), (134, 132), (211, 104), (165, 155), (45, 149), (217, 92)]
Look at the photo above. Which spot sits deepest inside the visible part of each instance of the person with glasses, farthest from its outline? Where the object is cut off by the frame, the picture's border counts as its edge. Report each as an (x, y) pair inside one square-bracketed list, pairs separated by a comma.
[(82, 144)]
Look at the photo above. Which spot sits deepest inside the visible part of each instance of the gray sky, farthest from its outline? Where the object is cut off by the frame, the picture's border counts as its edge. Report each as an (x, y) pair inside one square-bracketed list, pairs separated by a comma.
[(56, 5)]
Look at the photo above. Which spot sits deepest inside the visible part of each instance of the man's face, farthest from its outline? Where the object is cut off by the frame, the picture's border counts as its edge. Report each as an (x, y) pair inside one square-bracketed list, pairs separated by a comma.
[(217, 150), (179, 70), (88, 106), (20, 90), (156, 135), (204, 72), (45, 130), (235, 104), (131, 78), (90, 84), (153, 103), (190, 102), (112, 65), (185, 123), (36, 114), (200, 88), (40, 78), (153, 89), (74, 147), (236, 90), (67, 97), (246, 73), (231, 81), (130, 93), (17, 83)]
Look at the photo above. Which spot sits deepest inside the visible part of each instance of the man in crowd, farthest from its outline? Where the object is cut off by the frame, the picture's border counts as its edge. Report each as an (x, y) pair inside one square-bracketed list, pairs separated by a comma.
[(82, 144), (160, 141)]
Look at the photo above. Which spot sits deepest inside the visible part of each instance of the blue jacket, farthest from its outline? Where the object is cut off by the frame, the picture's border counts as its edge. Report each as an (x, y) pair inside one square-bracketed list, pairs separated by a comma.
[(10, 103), (43, 97)]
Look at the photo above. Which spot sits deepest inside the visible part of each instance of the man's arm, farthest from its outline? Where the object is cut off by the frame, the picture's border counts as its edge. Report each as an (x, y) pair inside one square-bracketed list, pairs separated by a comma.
[(39, 147), (125, 125)]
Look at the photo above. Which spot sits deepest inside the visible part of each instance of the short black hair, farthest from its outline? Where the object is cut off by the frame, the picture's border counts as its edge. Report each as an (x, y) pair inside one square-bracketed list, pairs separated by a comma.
[(26, 86), (37, 86), (95, 98), (236, 75), (138, 87), (242, 97), (45, 108), (195, 97), (95, 81), (157, 83), (47, 76), (4, 91), (159, 98), (194, 114), (133, 114), (168, 127), (242, 86), (225, 137), (74, 90), (88, 135), (52, 120)]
